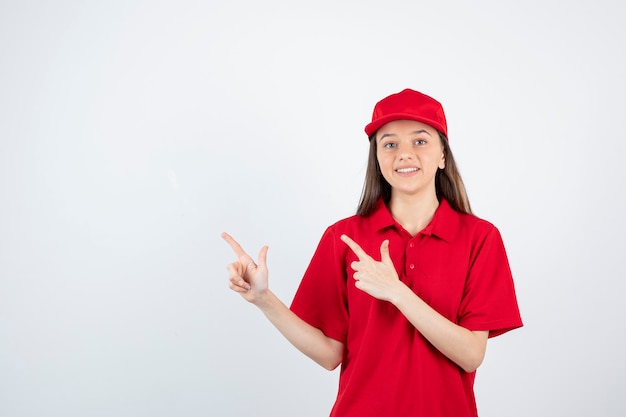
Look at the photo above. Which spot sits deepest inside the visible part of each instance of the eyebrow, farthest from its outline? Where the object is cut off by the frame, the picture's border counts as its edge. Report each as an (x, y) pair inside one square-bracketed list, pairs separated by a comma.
[(412, 133)]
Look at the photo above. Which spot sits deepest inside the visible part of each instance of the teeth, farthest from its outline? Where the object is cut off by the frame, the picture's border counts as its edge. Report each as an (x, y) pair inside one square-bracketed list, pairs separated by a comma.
[(405, 170)]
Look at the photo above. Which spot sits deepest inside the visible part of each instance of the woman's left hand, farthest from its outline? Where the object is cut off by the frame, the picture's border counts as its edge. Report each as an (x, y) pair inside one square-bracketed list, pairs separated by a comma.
[(378, 279)]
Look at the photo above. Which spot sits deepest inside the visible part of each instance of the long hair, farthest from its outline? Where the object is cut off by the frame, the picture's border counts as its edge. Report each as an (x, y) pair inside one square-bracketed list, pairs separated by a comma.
[(448, 182)]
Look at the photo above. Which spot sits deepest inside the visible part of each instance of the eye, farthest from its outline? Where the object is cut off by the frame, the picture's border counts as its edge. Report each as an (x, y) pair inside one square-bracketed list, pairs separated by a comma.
[(420, 142), (389, 145)]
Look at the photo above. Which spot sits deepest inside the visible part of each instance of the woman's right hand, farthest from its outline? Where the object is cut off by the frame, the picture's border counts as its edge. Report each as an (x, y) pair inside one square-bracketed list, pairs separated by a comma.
[(250, 280), (244, 275)]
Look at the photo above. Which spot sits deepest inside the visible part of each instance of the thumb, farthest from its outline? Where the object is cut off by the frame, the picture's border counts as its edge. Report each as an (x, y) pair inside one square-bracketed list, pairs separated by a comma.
[(384, 253), (263, 257)]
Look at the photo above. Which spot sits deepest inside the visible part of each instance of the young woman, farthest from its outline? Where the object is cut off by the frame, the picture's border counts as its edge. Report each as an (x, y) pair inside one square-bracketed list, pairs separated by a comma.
[(405, 293)]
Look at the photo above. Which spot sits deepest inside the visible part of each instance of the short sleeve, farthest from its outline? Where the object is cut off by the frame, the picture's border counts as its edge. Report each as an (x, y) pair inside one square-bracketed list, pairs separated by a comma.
[(489, 301), (321, 298)]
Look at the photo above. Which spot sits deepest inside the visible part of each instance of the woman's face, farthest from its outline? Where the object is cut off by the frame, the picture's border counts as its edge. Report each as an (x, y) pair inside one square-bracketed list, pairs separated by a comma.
[(409, 154)]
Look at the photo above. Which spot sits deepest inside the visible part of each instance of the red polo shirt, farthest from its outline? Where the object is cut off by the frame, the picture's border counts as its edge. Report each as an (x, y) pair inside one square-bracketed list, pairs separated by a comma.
[(457, 264)]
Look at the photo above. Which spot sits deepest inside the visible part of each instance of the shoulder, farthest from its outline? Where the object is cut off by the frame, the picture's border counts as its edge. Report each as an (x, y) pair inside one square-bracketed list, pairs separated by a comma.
[(451, 225), (362, 229), (478, 231), (473, 222), (379, 217), (480, 237), (346, 225)]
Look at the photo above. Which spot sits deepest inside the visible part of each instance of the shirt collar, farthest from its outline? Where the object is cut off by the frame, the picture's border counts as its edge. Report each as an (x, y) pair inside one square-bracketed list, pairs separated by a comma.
[(381, 216), (444, 223)]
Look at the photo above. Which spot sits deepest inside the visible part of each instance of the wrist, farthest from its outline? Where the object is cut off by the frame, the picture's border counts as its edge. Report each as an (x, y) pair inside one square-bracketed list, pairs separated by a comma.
[(262, 299), (401, 295)]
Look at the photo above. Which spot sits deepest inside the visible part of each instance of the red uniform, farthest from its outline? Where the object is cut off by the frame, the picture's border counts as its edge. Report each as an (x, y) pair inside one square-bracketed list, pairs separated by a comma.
[(457, 264)]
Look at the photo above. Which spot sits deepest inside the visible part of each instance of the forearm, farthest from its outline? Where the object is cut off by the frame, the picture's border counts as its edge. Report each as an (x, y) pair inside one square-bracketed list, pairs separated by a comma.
[(464, 347), (311, 341)]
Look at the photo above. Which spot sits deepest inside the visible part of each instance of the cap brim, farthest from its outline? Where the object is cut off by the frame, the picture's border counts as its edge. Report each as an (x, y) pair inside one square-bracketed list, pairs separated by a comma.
[(371, 128)]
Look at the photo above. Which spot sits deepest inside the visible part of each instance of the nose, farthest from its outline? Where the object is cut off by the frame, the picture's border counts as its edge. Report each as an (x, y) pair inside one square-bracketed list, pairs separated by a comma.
[(405, 152)]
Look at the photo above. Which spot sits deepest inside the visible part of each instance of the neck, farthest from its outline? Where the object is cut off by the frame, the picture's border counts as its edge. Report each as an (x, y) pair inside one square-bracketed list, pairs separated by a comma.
[(413, 213)]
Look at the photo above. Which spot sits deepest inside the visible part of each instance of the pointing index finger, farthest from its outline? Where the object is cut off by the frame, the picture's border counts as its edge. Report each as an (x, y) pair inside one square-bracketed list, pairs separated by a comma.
[(234, 245), (358, 251)]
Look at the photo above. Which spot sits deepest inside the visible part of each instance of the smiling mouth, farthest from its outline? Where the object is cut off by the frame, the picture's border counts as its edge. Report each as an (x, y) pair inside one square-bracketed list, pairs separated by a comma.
[(406, 170)]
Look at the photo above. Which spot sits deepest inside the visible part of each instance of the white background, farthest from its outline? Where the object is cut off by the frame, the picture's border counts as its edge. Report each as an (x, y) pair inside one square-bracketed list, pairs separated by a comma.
[(133, 132)]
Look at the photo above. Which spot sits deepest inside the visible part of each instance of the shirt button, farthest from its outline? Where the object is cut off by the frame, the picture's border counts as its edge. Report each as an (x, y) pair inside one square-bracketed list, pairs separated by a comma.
[(411, 245), (412, 266)]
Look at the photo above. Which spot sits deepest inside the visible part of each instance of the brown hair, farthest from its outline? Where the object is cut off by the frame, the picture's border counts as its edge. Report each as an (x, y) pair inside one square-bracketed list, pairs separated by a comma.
[(448, 182)]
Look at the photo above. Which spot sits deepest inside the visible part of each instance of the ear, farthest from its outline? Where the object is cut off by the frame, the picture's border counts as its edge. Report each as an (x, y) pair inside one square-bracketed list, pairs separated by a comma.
[(442, 162)]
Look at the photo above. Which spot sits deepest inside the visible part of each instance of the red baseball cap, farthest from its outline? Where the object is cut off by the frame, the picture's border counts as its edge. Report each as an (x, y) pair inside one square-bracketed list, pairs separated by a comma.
[(408, 105)]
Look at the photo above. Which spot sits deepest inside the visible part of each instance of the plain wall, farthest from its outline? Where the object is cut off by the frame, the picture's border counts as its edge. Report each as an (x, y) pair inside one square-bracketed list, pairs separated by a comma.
[(132, 133)]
